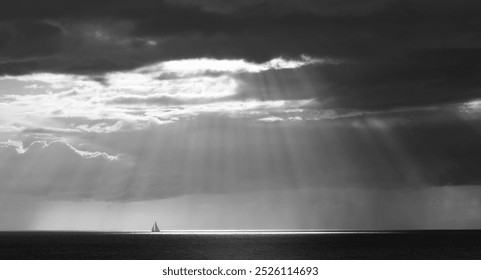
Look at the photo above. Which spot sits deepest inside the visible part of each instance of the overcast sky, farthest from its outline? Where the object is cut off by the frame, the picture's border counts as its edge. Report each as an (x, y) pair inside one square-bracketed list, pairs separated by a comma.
[(253, 114)]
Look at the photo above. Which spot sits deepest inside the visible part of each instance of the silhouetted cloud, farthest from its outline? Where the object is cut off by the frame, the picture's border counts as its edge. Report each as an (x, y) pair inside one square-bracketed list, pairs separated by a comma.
[(388, 53)]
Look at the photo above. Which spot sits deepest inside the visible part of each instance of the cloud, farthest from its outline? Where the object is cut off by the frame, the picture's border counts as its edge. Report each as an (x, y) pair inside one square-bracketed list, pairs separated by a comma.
[(87, 154), (8, 128), (271, 119), (25, 39), (56, 169), (381, 54), (19, 147), (209, 65), (123, 125), (49, 130), (418, 79), (137, 99)]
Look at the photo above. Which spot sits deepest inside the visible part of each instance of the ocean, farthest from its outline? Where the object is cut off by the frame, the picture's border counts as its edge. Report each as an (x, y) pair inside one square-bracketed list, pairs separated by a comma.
[(58, 245)]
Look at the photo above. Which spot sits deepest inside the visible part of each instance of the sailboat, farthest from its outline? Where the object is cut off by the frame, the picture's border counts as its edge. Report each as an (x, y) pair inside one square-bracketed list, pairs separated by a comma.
[(155, 228)]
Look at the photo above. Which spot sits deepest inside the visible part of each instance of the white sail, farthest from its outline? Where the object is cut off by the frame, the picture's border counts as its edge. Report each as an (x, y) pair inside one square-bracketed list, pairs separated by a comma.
[(155, 228)]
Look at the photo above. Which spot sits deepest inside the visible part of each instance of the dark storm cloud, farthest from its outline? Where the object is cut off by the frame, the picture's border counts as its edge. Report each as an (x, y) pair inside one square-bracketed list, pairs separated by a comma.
[(421, 78), (28, 38), (390, 53)]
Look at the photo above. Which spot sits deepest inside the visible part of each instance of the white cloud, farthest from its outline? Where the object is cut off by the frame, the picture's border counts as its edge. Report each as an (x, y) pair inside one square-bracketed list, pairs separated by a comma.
[(271, 119), (34, 86), (57, 169), (202, 65), (101, 127), (16, 144), (138, 99), (96, 154), (20, 149), (147, 78), (470, 109), (295, 118), (54, 81), (123, 125)]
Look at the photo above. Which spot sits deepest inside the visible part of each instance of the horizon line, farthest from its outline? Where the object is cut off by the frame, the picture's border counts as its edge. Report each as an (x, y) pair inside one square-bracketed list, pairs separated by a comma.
[(250, 231)]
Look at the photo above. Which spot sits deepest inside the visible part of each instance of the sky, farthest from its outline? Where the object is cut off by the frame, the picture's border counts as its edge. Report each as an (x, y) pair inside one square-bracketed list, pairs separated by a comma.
[(252, 114)]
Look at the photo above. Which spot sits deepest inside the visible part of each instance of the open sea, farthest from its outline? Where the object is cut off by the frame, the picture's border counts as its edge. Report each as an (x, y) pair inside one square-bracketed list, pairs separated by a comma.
[(57, 245)]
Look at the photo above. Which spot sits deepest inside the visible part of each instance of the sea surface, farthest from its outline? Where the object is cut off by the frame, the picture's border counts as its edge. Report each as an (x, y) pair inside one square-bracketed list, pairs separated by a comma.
[(241, 245)]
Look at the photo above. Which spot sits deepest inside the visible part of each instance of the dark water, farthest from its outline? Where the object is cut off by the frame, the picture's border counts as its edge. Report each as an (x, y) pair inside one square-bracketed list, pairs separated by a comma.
[(348, 245)]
